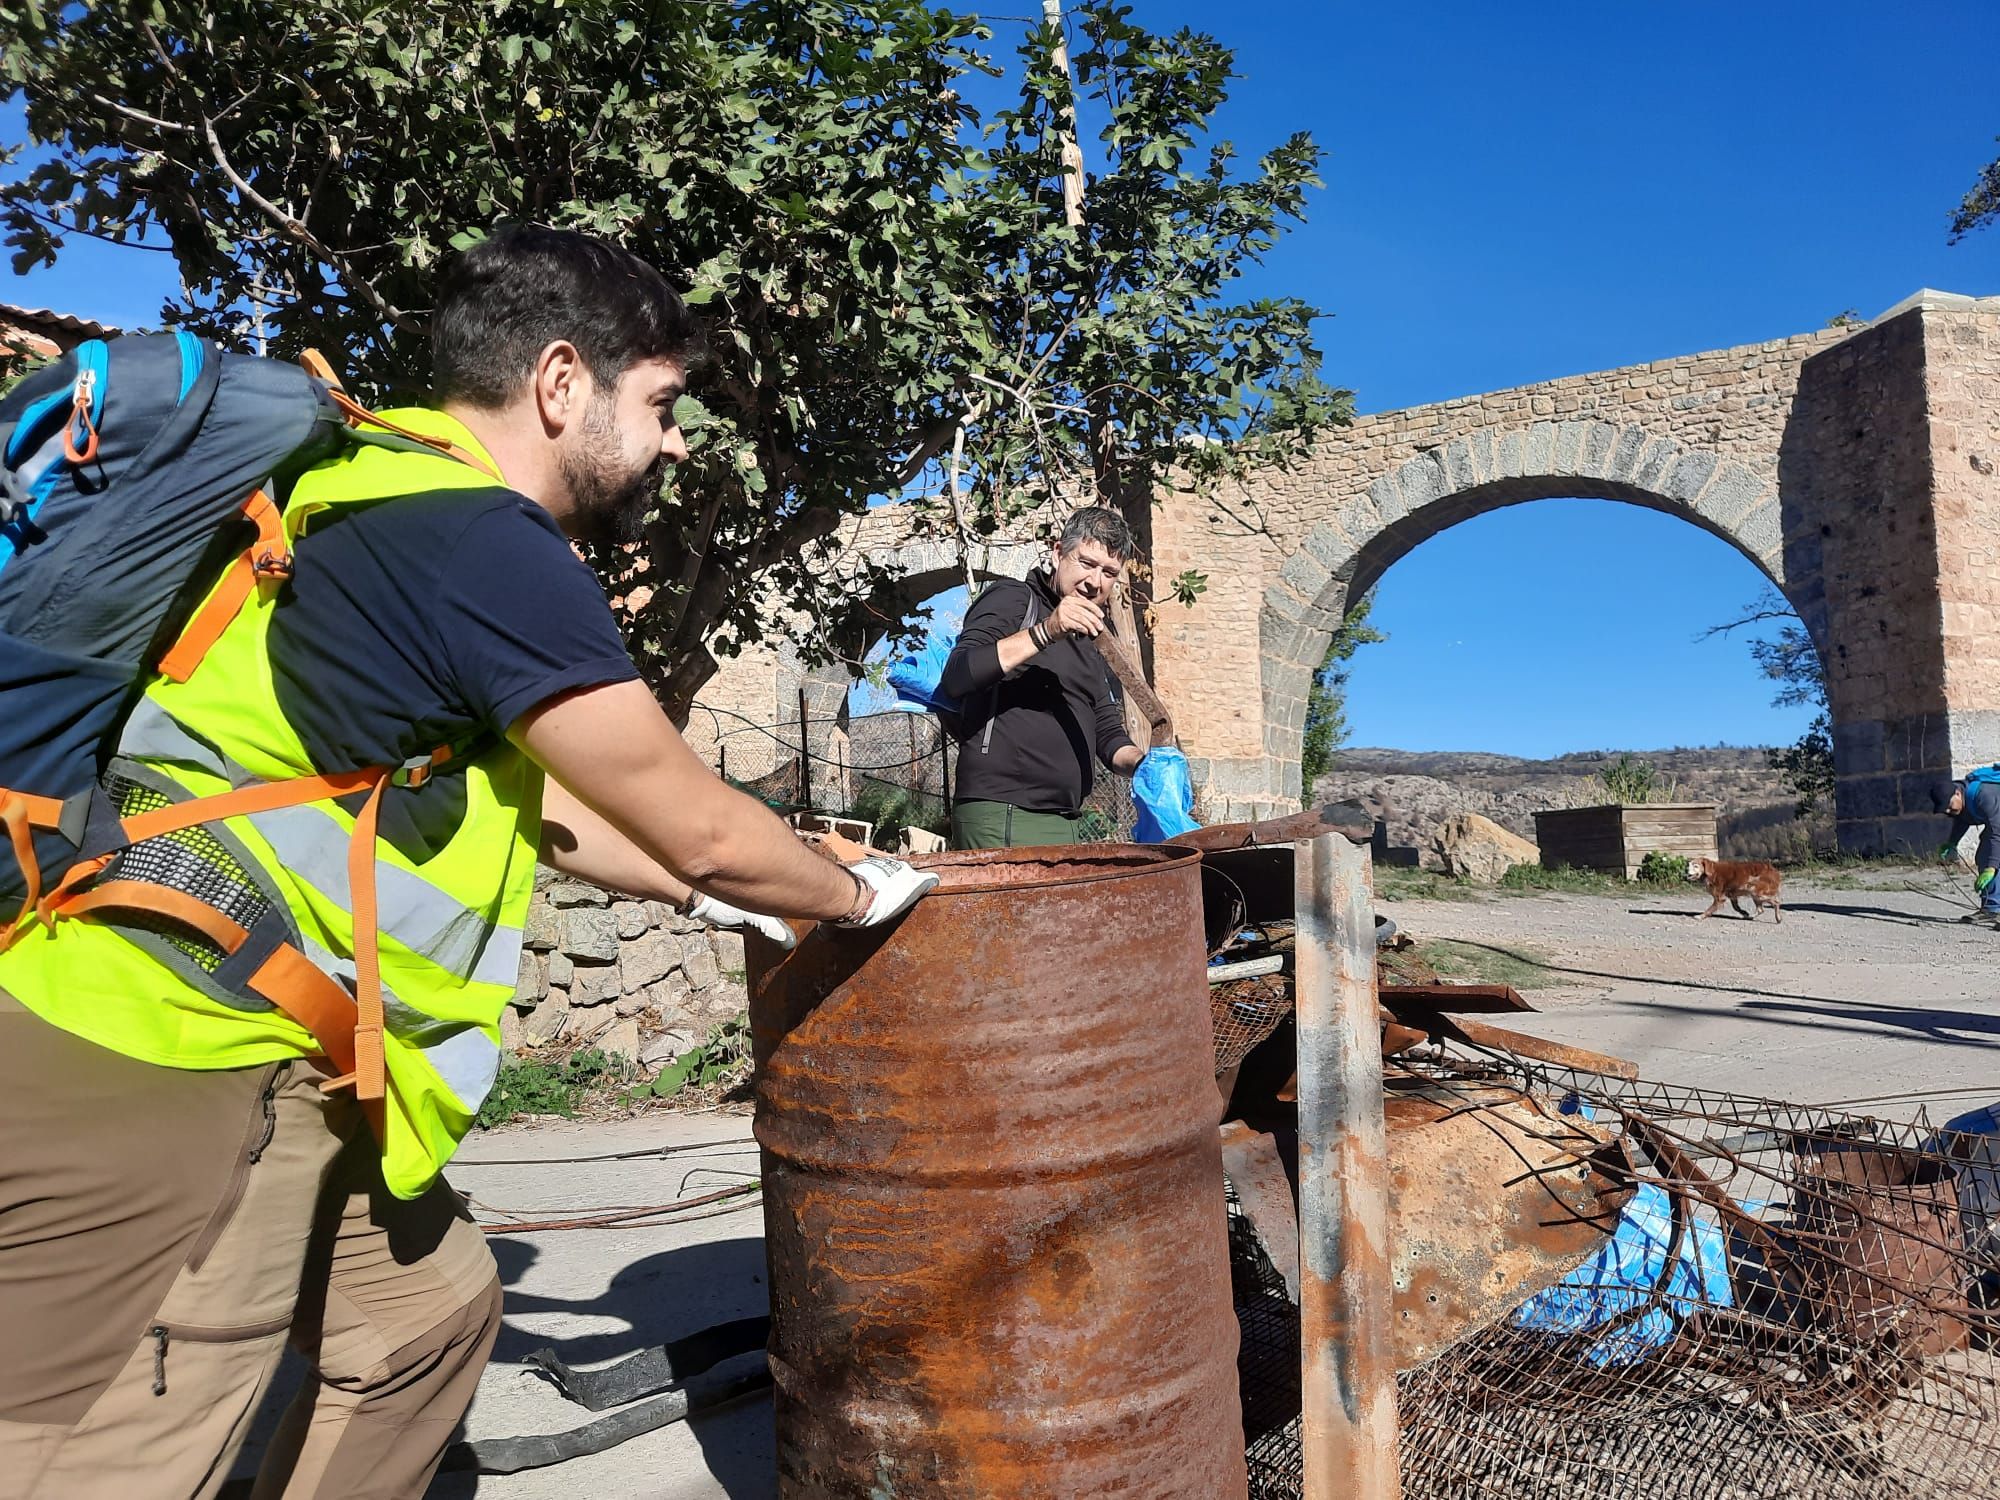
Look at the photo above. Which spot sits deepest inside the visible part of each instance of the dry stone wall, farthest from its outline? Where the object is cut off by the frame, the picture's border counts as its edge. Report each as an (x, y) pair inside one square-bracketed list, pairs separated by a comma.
[(629, 977)]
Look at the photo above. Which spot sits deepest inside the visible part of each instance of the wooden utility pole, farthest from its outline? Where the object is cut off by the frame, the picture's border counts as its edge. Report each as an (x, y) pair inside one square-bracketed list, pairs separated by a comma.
[(1072, 153), (1124, 619)]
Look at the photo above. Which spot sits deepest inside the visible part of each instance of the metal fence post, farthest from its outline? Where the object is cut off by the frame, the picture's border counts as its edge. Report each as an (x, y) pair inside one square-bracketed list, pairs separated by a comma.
[(1347, 1350)]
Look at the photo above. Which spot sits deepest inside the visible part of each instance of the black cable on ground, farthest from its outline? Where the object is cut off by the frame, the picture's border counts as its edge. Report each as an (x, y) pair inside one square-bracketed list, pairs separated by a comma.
[(651, 1370), (511, 1455)]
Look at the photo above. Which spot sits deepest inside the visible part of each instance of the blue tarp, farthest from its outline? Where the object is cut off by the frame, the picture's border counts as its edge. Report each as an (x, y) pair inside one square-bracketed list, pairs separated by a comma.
[(1622, 1274), (1163, 793)]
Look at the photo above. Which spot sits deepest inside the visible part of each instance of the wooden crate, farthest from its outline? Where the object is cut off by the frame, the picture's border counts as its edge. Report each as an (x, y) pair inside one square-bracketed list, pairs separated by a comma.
[(1615, 838)]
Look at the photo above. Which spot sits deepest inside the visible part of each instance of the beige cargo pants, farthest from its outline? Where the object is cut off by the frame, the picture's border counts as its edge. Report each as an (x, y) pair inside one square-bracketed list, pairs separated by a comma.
[(163, 1232)]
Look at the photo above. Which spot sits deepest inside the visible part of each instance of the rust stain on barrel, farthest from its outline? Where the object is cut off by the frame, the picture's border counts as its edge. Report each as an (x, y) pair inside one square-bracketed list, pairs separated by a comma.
[(993, 1190)]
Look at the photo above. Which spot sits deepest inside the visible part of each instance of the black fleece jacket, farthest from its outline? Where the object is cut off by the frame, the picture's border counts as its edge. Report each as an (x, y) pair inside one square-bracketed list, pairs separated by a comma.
[(1049, 719)]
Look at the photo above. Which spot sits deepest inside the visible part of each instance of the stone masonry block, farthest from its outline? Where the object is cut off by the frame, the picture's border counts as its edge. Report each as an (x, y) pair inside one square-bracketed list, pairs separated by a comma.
[(561, 969), (1331, 546), (1423, 481), (1868, 796), (568, 893), (1858, 747), (543, 929), (531, 984), (650, 959), (1483, 461), (1732, 493), (1654, 461), (701, 969), (1458, 468), (1597, 443), (1761, 534), (631, 918), (1539, 455), (1689, 473), (1923, 743), (1306, 574), (1282, 606), (1507, 459), (1387, 498), (596, 984), (1859, 835), (1913, 791), (1625, 453), (545, 1022), (1569, 449), (590, 933), (1912, 835)]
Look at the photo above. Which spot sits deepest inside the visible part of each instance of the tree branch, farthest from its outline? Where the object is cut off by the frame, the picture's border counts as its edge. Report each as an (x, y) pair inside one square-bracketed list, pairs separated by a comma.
[(139, 116)]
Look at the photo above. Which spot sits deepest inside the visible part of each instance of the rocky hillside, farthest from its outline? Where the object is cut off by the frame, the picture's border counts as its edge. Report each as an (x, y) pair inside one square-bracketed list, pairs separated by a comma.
[(1415, 791)]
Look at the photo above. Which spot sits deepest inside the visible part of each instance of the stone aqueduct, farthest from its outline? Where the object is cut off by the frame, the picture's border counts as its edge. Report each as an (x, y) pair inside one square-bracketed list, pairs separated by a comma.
[(1859, 468)]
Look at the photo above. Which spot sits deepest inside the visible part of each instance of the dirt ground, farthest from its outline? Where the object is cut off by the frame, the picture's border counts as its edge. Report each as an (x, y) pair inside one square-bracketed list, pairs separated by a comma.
[(1860, 993)]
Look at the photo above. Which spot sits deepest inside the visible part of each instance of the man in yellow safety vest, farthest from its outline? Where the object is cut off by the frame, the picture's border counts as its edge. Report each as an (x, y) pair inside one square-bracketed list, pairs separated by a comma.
[(211, 1144)]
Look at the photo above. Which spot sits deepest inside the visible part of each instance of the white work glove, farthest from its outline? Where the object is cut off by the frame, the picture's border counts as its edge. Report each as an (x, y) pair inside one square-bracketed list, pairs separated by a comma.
[(897, 887), (735, 919)]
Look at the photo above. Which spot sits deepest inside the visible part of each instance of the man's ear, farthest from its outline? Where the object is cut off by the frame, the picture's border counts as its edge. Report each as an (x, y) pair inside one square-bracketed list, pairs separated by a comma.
[(561, 386)]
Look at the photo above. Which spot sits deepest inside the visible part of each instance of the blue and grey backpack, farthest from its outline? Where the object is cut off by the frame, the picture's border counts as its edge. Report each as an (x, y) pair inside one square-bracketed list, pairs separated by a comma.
[(134, 474)]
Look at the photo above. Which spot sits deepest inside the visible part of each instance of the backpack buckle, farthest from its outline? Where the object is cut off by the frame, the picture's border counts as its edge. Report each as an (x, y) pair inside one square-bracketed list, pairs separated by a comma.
[(419, 769)]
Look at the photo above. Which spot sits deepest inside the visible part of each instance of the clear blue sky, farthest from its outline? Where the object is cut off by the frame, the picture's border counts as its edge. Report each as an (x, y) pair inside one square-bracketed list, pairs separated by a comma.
[(1516, 193)]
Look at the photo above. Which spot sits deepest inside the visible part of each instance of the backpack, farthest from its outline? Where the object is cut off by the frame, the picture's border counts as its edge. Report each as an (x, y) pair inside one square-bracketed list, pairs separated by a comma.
[(1982, 776), (142, 481), (916, 677)]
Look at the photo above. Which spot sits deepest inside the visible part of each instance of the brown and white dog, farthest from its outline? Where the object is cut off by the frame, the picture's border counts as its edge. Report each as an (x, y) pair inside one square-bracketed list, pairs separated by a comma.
[(1730, 879)]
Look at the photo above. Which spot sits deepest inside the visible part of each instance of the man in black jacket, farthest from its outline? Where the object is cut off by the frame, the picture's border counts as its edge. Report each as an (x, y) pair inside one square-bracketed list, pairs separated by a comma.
[(1038, 704)]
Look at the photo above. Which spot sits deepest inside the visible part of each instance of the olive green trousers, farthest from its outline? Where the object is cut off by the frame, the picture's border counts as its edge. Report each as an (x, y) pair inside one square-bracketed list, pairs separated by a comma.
[(1001, 825)]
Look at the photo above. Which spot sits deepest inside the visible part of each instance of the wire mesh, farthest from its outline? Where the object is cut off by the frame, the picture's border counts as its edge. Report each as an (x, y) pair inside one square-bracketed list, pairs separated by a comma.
[(1821, 1322), (893, 770)]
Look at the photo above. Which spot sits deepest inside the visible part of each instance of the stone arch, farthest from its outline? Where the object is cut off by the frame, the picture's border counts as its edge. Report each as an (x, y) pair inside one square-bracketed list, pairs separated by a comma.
[(1344, 554), (925, 569)]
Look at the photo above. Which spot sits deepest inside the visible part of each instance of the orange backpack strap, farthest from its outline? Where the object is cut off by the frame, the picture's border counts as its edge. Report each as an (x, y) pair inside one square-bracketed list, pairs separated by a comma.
[(267, 557), (20, 815), (286, 977), (316, 365)]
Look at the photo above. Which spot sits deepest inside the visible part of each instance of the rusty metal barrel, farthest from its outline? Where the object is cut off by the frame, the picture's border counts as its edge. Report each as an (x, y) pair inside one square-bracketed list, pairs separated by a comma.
[(993, 1195)]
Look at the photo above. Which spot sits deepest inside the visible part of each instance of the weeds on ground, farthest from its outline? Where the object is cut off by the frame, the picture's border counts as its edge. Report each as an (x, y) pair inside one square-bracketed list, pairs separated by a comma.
[(542, 1086), (1534, 880), (1407, 883), (722, 1060), (1482, 963)]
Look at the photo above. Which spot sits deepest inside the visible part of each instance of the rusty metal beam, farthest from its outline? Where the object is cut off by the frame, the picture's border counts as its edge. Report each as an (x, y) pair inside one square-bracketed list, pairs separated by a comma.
[(1334, 817), (1347, 1345), (1447, 998)]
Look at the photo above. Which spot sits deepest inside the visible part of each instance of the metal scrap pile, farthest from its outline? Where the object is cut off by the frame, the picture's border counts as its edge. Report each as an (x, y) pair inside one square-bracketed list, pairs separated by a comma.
[(1605, 1288)]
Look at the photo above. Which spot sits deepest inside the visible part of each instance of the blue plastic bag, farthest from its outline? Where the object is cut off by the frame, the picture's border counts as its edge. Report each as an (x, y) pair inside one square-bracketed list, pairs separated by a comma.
[(1163, 792), (915, 676), (1621, 1276)]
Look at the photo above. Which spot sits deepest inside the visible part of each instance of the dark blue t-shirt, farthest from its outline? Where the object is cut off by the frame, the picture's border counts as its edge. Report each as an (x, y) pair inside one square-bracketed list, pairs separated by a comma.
[(432, 620)]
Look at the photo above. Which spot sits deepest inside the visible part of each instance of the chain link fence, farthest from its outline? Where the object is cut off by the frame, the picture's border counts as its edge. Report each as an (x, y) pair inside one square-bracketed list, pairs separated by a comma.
[(894, 770)]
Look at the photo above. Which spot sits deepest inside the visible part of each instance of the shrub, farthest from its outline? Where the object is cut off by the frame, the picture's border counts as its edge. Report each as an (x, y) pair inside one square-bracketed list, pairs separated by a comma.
[(1632, 782), (1663, 869)]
